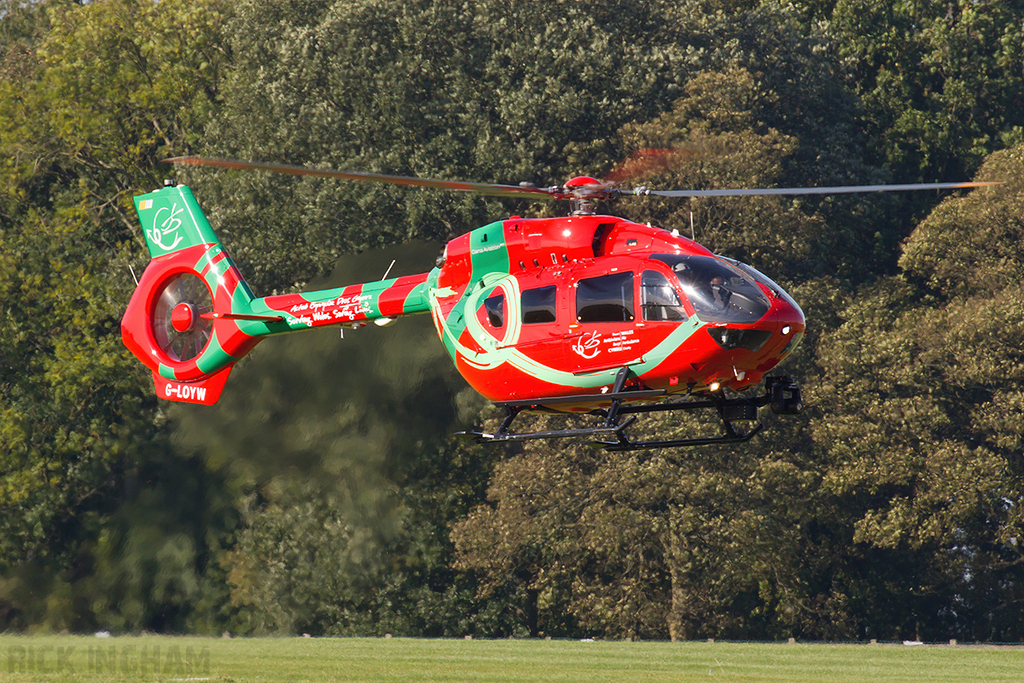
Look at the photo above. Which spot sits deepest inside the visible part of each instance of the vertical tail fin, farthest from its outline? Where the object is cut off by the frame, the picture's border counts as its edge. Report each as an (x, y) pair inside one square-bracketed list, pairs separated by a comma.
[(172, 221)]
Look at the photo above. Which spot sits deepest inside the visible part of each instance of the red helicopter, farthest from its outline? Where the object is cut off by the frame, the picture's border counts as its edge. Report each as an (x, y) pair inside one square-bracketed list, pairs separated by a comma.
[(585, 314)]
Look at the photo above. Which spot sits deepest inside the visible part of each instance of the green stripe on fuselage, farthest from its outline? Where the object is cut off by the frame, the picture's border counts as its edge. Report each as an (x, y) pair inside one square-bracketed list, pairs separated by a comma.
[(487, 250), (488, 253), (418, 300)]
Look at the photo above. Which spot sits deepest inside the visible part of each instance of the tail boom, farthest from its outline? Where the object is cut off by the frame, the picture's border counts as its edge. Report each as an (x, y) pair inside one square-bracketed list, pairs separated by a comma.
[(192, 316), (345, 305)]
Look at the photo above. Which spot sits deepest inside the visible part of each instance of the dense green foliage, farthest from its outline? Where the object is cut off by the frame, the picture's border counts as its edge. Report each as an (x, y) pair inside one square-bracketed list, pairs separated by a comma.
[(98, 515), (324, 495)]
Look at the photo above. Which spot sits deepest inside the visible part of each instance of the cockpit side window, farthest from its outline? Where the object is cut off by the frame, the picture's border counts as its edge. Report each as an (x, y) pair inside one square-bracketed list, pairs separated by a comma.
[(718, 291), (658, 298)]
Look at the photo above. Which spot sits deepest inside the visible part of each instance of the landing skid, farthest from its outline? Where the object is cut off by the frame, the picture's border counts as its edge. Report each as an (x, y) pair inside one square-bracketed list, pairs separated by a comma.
[(780, 392)]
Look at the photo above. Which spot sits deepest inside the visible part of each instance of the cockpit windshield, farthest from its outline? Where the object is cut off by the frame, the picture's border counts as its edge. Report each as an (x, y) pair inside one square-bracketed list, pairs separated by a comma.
[(767, 282), (719, 292)]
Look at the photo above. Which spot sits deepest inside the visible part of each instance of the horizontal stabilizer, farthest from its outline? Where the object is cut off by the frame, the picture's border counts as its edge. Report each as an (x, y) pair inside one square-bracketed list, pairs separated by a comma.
[(242, 316)]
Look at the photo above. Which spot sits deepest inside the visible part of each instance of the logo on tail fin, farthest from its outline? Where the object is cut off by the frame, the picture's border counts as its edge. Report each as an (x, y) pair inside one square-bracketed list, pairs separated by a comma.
[(172, 220), (166, 229)]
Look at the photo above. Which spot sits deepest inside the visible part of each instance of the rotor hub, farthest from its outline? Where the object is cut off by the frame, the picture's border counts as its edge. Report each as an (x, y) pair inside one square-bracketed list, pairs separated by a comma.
[(184, 317), (583, 181)]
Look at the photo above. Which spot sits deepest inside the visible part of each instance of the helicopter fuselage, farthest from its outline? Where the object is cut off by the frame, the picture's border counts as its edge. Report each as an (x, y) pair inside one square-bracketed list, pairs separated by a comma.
[(534, 308), (533, 311)]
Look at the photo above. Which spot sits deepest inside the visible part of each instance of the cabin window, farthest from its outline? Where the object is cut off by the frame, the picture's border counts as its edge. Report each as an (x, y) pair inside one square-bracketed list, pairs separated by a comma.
[(495, 309), (608, 298), (658, 298), (539, 305)]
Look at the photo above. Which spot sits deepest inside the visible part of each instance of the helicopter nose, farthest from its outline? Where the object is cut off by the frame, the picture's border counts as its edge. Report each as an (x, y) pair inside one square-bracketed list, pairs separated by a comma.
[(785, 312), (793, 334), (789, 326)]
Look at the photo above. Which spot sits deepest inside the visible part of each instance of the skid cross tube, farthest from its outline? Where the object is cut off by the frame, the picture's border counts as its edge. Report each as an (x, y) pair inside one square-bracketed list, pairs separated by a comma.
[(728, 410), (611, 433)]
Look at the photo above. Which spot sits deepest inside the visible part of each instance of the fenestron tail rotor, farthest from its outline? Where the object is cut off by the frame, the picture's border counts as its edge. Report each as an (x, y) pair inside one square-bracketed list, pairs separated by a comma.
[(179, 326)]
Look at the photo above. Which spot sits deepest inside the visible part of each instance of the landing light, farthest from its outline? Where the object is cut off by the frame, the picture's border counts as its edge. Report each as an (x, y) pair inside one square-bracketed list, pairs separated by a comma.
[(714, 386), (786, 329)]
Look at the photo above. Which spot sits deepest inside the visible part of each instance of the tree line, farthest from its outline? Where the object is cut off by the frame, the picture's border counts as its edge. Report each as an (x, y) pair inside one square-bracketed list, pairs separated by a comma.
[(324, 493)]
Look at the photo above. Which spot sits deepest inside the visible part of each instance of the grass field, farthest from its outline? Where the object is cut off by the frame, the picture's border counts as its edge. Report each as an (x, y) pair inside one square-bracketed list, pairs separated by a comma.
[(164, 658)]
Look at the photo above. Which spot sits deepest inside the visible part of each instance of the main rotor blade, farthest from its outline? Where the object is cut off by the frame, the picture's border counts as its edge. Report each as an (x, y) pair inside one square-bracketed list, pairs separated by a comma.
[(479, 188), (842, 189)]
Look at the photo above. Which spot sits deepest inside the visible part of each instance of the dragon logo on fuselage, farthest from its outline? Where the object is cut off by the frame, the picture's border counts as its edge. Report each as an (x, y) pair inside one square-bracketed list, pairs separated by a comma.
[(588, 345)]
